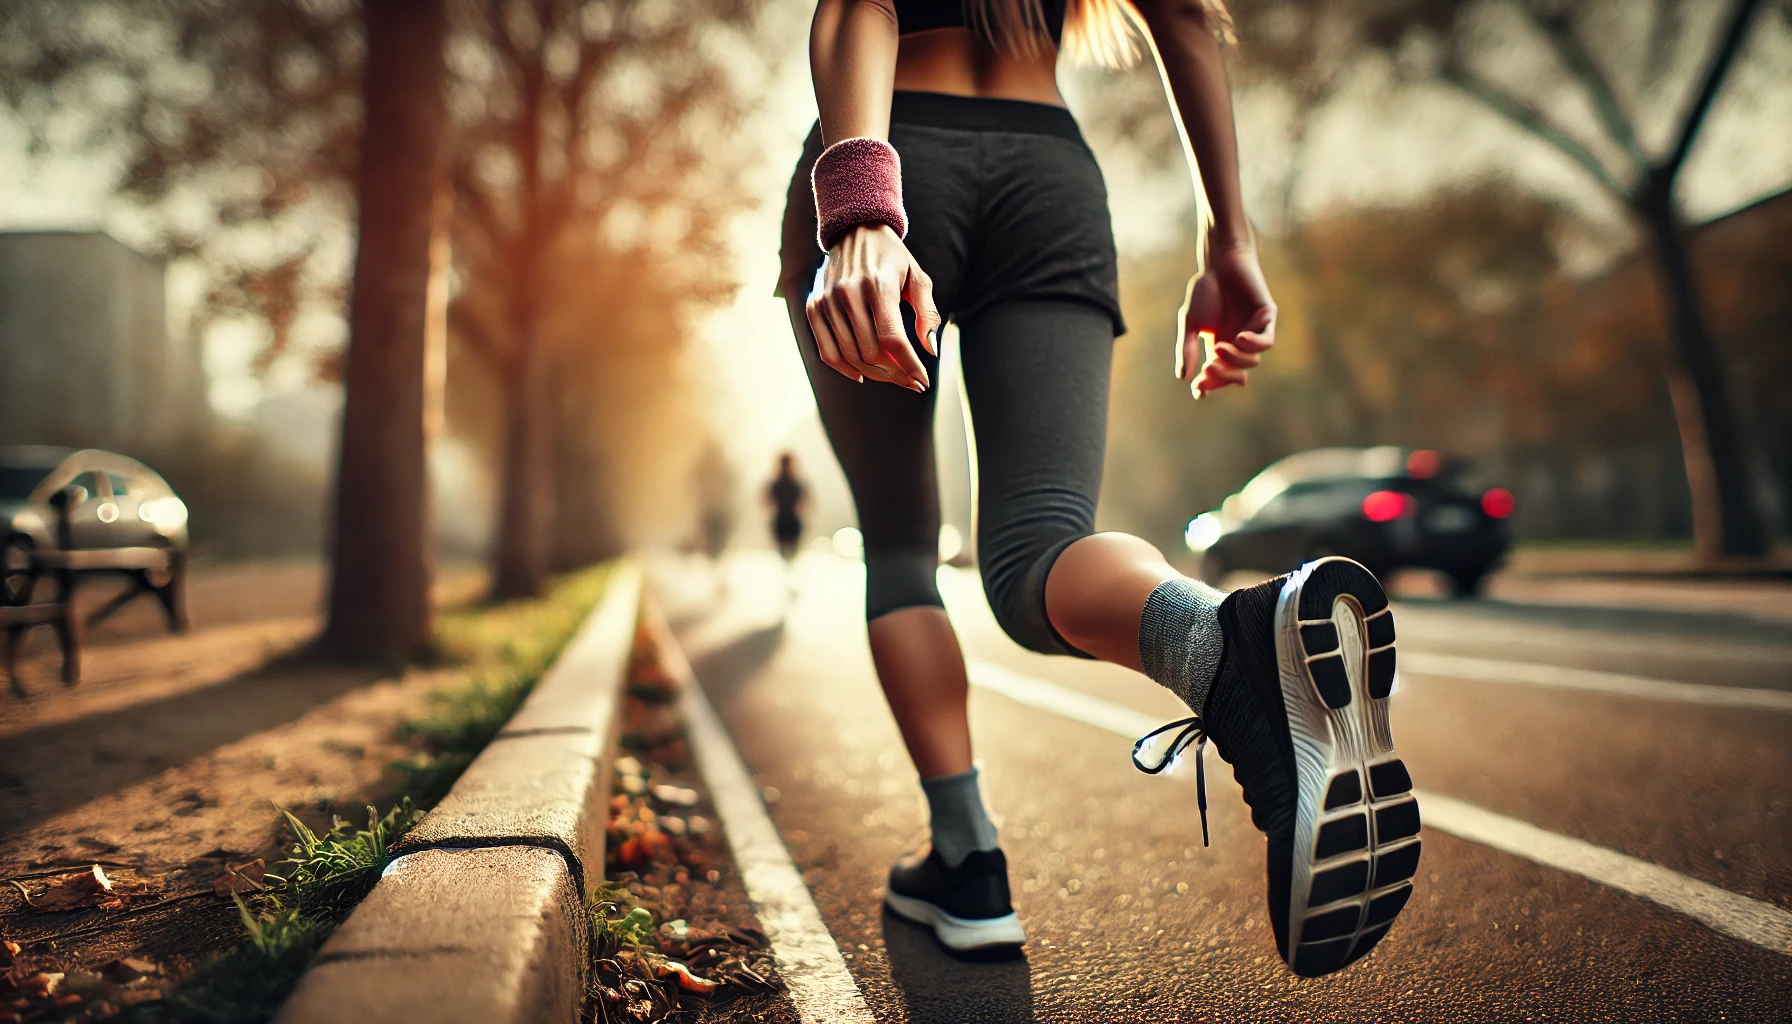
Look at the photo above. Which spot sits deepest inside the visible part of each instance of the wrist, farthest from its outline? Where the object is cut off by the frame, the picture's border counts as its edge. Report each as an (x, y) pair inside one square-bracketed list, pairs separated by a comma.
[(857, 182), (1226, 235)]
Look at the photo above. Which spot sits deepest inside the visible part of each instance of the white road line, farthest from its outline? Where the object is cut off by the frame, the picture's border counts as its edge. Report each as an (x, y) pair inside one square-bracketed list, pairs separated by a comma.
[(1737, 916), (1526, 673), (809, 958), (1059, 700)]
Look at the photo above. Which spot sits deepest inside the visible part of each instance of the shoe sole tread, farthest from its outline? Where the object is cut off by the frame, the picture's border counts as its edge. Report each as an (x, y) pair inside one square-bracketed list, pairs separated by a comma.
[(1356, 844)]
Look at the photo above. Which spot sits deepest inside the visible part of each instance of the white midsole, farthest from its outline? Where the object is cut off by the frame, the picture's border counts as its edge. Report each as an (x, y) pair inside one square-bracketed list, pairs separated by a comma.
[(957, 932)]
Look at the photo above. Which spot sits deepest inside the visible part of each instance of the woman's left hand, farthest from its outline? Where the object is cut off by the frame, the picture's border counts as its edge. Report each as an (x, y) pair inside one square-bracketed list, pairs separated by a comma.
[(1231, 302)]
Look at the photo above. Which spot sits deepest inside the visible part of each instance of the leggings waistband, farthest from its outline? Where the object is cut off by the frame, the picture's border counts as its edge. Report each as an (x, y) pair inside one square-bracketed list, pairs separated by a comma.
[(981, 114)]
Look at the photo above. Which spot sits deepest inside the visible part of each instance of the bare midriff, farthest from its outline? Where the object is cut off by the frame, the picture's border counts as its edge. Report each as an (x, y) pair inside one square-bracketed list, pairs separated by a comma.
[(959, 62)]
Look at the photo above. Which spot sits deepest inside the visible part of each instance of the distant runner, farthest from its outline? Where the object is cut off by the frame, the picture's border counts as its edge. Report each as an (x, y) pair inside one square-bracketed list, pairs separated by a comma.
[(787, 496)]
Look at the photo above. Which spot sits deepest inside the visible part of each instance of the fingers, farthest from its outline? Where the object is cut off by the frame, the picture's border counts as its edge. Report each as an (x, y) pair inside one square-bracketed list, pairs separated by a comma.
[(825, 345), (892, 338), (855, 310), (851, 349), (1192, 353), (918, 291), (1216, 375), (1259, 333), (1235, 356)]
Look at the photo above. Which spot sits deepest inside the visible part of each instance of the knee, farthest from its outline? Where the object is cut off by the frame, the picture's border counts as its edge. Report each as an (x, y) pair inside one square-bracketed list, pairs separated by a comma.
[(900, 577), (1015, 567)]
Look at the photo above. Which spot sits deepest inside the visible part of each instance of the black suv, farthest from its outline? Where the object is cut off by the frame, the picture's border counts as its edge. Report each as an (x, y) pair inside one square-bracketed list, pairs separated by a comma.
[(1386, 507)]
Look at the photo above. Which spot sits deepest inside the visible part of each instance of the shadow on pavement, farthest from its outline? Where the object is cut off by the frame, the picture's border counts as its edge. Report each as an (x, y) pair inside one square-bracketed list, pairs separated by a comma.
[(725, 667), (940, 987), (50, 769)]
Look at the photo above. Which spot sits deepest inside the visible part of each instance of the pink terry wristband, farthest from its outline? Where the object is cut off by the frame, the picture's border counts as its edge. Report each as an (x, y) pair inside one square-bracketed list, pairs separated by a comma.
[(857, 181)]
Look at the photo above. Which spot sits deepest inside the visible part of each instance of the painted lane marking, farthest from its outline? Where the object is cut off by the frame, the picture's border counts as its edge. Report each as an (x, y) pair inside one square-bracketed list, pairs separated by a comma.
[(1737, 916), (1734, 915), (1527, 673), (807, 955), (1060, 700)]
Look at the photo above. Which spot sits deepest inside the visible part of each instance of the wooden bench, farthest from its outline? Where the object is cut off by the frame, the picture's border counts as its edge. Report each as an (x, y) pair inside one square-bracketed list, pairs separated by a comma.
[(58, 613), (142, 565)]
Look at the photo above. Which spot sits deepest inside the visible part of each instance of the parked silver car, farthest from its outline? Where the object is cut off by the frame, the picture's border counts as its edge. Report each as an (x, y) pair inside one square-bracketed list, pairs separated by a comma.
[(115, 502)]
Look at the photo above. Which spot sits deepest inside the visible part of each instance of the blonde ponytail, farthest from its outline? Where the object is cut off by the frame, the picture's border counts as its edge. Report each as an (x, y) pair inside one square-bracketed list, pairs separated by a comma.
[(1102, 32)]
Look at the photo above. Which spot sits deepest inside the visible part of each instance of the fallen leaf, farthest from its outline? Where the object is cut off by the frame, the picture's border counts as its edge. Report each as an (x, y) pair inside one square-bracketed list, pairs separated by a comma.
[(686, 980), (90, 888), (9, 954), (249, 876), (138, 965), (41, 985), (676, 795)]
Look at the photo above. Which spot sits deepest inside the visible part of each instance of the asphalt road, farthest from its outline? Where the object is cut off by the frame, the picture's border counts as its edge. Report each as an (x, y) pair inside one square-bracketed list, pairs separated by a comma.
[(1130, 919)]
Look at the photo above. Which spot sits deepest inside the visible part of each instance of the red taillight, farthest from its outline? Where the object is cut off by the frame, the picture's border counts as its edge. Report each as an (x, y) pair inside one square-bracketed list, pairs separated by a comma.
[(1386, 506), (1423, 464), (1498, 503)]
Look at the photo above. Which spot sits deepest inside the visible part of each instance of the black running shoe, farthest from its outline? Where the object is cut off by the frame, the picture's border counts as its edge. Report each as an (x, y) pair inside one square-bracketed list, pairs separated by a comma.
[(967, 907), (1300, 709)]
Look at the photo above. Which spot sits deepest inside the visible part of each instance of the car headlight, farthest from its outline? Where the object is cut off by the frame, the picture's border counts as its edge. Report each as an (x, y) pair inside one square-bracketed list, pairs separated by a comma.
[(166, 513), (1202, 532), (27, 521)]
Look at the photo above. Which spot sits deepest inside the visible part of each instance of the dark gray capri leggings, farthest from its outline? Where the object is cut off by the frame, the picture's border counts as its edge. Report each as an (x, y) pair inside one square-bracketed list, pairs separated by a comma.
[(1008, 214)]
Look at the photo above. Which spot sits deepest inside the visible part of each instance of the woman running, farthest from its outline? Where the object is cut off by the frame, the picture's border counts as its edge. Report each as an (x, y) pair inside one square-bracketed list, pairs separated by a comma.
[(946, 179), (787, 496)]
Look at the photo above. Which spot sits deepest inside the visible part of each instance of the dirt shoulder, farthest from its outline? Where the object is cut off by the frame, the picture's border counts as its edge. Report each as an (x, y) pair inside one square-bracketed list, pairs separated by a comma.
[(167, 762)]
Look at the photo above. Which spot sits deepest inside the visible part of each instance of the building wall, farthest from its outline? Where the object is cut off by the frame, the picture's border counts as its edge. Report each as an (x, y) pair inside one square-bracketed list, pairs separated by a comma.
[(85, 356)]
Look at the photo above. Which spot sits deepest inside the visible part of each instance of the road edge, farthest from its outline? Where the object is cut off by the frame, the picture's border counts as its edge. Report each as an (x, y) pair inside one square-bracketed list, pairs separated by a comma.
[(481, 917), (817, 980)]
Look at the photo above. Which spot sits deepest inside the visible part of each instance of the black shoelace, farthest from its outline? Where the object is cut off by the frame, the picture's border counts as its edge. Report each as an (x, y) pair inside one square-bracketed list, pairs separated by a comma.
[(1194, 732)]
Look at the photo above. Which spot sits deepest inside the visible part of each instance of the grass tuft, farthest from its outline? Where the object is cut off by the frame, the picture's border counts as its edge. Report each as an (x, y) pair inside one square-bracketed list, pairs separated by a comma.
[(333, 872), (506, 649)]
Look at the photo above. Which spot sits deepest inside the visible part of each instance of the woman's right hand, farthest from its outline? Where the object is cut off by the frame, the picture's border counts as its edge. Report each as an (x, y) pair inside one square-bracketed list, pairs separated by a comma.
[(855, 311), (1229, 301)]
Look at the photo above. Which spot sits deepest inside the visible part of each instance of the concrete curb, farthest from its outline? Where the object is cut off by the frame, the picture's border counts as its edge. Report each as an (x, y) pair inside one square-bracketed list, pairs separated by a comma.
[(481, 918)]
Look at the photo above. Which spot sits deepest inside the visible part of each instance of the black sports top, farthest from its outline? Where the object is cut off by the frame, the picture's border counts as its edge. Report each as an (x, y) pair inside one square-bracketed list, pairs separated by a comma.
[(922, 15)]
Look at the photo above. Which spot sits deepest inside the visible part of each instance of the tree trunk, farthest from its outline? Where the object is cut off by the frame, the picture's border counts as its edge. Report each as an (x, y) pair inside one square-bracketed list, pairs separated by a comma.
[(380, 573), (585, 530), (526, 511), (1725, 521)]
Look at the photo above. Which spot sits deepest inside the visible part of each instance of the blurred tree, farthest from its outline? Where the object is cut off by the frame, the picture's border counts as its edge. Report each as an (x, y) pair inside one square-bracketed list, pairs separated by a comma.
[(234, 129), (254, 114), (380, 567), (595, 134), (1470, 39), (593, 171), (1484, 48)]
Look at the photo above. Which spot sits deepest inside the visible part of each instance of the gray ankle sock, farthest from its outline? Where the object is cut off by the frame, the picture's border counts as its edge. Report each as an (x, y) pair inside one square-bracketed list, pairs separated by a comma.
[(1179, 638), (961, 825)]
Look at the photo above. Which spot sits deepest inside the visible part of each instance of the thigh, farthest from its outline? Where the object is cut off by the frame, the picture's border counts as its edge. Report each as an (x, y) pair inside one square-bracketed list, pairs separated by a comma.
[(1036, 377), (883, 436)]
